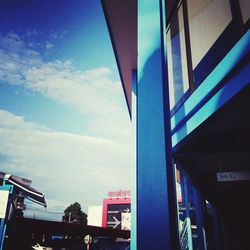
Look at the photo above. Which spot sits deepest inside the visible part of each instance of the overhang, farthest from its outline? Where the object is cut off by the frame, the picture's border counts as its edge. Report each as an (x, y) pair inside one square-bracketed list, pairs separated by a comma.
[(121, 18), (29, 192)]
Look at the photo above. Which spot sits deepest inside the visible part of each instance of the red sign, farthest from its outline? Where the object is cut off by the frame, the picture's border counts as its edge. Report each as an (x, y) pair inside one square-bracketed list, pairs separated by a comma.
[(119, 194)]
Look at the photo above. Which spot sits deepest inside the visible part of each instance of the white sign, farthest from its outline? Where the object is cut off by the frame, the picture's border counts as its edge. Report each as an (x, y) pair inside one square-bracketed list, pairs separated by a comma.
[(126, 221), (233, 176), (4, 195)]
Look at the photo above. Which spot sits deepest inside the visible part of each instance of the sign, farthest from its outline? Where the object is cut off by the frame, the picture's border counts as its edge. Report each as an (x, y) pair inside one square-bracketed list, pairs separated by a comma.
[(233, 176), (115, 211), (126, 221), (119, 194), (87, 239), (4, 195)]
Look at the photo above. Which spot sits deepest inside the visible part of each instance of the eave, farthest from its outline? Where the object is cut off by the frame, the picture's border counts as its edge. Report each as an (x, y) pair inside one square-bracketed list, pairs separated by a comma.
[(121, 18)]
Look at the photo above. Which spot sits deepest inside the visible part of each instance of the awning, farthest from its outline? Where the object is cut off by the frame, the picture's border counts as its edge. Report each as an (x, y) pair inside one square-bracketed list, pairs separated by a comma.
[(28, 192)]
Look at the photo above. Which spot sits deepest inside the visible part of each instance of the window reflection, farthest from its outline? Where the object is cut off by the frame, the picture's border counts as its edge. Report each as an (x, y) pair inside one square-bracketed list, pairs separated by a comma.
[(176, 57), (207, 20), (245, 9)]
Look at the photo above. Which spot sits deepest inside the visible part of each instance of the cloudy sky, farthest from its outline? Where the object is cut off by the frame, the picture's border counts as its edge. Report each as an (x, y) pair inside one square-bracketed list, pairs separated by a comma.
[(63, 119)]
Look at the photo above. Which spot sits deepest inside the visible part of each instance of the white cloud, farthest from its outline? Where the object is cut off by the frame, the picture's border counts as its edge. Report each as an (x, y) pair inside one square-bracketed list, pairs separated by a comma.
[(67, 167), (91, 92)]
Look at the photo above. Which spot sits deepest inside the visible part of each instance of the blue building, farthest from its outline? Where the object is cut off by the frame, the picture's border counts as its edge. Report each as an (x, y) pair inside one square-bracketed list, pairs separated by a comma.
[(185, 71)]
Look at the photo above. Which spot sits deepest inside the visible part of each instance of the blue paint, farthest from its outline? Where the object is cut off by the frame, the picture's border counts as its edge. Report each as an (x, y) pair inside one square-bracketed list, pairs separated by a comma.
[(236, 54), (229, 90), (133, 242), (216, 227), (186, 201), (156, 207), (2, 227), (199, 219)]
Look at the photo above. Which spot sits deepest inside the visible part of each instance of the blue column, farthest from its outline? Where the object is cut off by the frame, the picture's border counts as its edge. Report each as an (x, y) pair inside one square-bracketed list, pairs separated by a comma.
[(216, 228), (2, 232), (133, 243), (157, 226), (185, 188), (198, 203)]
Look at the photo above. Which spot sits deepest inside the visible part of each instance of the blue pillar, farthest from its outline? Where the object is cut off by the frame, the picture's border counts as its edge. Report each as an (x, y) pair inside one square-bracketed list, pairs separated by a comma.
[(133, 243), (185, 188), (216, 228), (156, 213), (199, 205)]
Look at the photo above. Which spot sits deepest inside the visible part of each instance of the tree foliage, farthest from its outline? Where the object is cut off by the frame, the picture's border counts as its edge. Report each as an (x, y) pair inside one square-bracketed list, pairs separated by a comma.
[(74, 214)]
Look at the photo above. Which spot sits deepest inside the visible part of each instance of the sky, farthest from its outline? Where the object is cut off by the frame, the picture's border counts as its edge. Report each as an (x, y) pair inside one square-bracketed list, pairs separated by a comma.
[(64, 123)]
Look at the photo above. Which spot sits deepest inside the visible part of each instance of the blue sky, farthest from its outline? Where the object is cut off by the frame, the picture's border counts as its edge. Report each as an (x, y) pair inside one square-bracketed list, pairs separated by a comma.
[(63, 119)]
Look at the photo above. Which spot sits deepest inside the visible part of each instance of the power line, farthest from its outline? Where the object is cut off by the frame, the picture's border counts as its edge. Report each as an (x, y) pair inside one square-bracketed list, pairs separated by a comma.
[(42, 211)]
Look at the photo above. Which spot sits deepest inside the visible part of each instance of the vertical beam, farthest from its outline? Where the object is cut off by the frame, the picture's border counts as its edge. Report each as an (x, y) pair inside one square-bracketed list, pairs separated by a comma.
[(133, 242), (2, 232), (216, 227), (157, 226), (225, 243), (185, 199), (198, 203)]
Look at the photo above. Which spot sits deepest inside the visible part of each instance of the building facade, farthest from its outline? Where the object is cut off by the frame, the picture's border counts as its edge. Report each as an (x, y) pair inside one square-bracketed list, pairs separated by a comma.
[(114, 213), (185, 71)]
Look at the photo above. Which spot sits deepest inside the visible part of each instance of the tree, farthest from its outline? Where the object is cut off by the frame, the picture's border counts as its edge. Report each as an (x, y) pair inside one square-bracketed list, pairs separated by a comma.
[(74, 214)]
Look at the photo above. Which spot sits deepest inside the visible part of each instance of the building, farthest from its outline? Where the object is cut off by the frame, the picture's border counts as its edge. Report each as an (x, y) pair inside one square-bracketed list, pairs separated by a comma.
[(13, 191), (114, 213), (184, 67)]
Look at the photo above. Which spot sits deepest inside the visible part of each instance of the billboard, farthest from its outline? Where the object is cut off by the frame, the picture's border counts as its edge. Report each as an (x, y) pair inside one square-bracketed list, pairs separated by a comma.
[(116, 215)]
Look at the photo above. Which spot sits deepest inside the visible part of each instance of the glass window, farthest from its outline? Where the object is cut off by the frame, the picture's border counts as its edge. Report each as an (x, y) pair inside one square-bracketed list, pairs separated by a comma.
[(177, 60), (245, 9), (170, 4), (207, 20)]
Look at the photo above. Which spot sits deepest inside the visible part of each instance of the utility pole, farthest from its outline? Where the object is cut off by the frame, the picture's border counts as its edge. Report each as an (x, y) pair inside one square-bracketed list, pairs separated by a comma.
[(70, 214)]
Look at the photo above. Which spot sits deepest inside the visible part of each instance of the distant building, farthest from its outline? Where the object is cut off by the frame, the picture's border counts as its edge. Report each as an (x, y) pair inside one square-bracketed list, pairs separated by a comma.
[(95, 216), (114, 213)]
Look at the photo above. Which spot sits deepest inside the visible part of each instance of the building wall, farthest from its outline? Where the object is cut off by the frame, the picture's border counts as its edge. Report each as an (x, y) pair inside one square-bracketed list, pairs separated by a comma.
[(114, 210), (95, 216)]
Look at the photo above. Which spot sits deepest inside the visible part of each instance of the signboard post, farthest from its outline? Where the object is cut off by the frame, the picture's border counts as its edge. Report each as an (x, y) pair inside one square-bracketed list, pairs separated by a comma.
[(87, 240)]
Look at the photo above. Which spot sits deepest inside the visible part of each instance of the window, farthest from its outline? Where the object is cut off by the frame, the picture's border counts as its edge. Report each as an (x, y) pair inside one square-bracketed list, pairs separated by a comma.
[(176, 58), (207, 20), (245, 9)]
